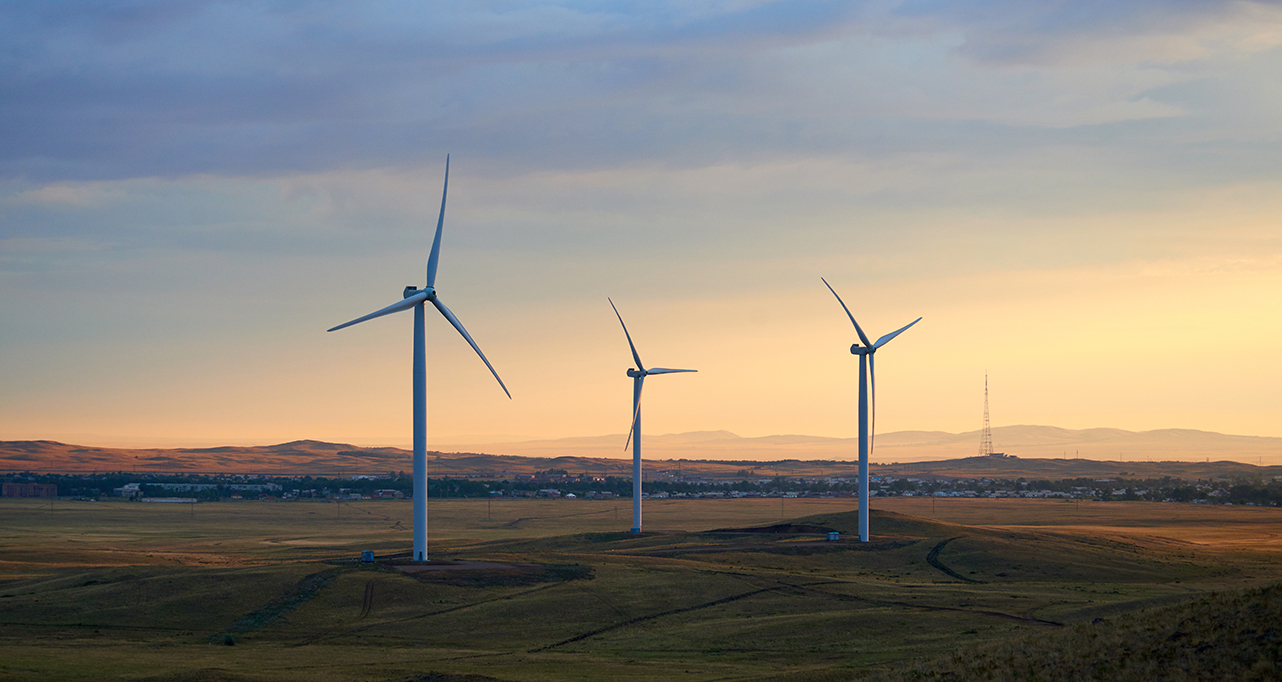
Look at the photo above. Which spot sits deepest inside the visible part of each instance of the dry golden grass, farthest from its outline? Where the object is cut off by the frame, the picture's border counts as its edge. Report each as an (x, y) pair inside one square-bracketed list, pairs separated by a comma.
[(1227, 636), (1209, 525), (118, 590)]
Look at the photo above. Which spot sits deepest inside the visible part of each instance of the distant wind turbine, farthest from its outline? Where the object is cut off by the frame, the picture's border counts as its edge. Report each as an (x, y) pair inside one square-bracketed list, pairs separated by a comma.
[(638, 374), (867, 374), (417, 298)]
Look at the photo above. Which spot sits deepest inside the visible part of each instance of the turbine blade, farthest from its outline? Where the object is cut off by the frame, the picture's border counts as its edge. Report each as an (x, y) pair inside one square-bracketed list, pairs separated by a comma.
[(636, 414), (664, 370), (404, 304), (459, 326), (433, 259), (886, 339), (862, 337), (625, 333)]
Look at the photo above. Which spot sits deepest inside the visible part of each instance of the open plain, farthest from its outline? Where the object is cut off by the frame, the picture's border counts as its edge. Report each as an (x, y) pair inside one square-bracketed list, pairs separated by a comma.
[(552, 590)]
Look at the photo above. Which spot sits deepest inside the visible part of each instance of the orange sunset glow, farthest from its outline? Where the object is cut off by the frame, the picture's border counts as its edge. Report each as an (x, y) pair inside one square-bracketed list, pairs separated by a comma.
[(1089, 217)]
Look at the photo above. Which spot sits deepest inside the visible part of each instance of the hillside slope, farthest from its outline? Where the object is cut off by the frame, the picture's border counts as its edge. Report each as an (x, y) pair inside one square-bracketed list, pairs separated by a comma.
[(1223, 636)]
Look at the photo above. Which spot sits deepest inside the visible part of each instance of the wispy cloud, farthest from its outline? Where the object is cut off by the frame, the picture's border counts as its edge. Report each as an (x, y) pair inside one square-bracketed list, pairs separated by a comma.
[(108, 90)]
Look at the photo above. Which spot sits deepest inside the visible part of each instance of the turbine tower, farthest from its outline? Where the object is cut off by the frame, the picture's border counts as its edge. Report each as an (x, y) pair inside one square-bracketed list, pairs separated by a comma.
[(638, 374), (867, 375), (416, 298)]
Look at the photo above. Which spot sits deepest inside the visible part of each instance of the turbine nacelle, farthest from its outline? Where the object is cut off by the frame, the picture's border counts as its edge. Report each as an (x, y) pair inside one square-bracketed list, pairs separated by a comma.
[(634, 373), (857, 349), (427, 293)]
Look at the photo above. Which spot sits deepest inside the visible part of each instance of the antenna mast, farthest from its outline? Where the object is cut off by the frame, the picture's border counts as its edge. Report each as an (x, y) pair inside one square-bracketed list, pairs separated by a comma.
[(986, 440)]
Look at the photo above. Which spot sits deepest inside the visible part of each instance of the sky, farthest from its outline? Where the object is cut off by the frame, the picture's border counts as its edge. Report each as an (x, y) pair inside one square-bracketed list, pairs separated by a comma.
[(1082, 200)]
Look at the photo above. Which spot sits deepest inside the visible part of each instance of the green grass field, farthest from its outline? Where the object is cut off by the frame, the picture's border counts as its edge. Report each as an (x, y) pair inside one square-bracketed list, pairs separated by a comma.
[(270, 590)]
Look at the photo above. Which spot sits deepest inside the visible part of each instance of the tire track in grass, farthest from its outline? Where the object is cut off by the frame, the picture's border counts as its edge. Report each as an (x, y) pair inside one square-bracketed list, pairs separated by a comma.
[(653, 616), (517, 522), (1032, 620), (368, 602), (293, 597), (319, 637), (933, 559), (811, 585)]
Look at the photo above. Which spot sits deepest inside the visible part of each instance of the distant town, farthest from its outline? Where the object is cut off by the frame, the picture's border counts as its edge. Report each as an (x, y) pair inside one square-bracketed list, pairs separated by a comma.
[(558, 483)]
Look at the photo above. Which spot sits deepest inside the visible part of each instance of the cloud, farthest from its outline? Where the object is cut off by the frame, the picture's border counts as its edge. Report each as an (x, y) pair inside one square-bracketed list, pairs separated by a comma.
[(1072, 33), (99, 90), (66, 194), (92, 90)]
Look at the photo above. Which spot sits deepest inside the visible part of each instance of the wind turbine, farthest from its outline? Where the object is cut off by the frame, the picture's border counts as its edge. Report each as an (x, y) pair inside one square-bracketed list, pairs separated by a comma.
[(867, 374), (638, 374), (416, 298)]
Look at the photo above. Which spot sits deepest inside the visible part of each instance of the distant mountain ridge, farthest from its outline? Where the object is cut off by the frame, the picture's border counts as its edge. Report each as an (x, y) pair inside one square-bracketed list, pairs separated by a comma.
[(604, 455), (914, 446)]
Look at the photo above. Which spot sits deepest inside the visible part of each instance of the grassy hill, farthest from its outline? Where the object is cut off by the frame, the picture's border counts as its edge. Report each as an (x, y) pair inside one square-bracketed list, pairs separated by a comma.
[(551, 590), (1220, 636)]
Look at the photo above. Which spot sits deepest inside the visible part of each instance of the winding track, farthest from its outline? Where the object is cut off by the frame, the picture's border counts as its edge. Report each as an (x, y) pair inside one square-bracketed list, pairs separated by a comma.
[(339, 632), (671, 612), (367, 602), (1026, 618), (802, 588), (933, 559)]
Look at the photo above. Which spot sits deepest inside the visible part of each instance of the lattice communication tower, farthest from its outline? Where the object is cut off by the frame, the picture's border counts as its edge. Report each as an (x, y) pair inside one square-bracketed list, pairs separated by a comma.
[(986, 440)]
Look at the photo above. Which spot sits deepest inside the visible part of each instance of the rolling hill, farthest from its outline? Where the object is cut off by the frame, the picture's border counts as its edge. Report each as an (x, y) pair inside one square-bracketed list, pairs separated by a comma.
[(711, 454), (1045, 442)]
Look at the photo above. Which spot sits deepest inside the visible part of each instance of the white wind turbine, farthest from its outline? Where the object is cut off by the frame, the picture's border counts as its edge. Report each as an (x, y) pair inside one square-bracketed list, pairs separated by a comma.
[(417, 298), (638, 374), (867, 375)]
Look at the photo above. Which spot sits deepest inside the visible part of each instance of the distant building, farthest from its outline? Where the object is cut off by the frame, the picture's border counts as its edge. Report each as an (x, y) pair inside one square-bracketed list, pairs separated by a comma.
[(29, 490), (195, 487), (130, 490)]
